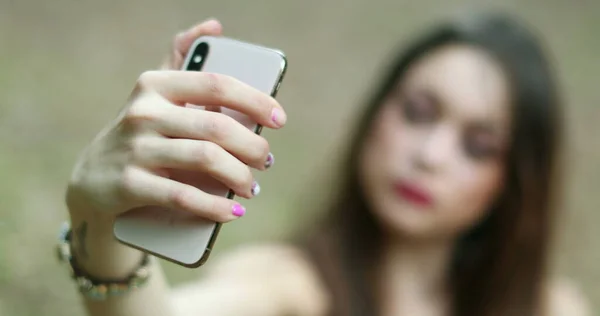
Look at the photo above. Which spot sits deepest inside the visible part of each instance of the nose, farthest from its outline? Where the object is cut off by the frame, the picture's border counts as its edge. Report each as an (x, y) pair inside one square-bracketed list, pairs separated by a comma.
[(437, 148)]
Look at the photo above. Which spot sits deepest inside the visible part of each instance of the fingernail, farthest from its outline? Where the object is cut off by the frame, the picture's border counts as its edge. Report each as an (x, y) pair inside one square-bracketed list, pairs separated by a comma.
[(255, 188), (278, 117), (270, 161), (238, 210)]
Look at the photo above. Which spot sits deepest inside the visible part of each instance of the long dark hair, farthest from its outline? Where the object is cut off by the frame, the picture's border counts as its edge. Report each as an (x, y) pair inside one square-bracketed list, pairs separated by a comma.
[(499, 266)]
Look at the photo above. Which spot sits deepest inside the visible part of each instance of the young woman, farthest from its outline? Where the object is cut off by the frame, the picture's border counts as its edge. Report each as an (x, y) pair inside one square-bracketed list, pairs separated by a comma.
[(445, 207)]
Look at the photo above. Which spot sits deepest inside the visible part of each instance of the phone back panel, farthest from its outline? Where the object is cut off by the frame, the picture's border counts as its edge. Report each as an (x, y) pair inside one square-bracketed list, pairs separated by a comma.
[(172, 234)]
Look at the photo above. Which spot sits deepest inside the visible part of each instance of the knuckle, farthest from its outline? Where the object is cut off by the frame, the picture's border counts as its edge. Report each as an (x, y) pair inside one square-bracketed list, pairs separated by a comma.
[(180, 197), (205, 153), (128, 178), (214, 84), (146, 78), (135, 147), (138, 113), (214, 126)]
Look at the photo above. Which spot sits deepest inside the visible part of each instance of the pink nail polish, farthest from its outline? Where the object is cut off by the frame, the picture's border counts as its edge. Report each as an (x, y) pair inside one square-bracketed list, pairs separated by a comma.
[(270, 160), (278, 117), (238, 210)]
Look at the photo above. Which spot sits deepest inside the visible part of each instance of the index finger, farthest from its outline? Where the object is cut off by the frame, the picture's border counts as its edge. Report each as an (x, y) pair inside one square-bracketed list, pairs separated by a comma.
[(210, 89), (184, 40)]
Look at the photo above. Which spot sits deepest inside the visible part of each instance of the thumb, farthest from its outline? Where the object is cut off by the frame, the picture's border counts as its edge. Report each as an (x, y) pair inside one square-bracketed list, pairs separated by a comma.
[(182, 42)]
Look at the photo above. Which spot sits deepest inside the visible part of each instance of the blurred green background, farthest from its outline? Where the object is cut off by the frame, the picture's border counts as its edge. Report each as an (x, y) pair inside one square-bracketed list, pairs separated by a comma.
[(66, 67)]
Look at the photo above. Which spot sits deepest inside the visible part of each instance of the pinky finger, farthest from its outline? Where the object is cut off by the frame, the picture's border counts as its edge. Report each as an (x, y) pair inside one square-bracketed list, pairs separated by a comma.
[(143, 187)]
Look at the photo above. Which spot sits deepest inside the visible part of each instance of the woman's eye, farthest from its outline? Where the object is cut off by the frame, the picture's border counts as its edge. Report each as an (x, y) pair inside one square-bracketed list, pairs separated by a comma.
[(419, 109), (478, 148)]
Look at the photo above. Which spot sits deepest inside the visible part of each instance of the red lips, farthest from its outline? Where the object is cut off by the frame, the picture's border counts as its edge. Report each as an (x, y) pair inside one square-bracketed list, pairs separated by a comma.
[(413, 193)]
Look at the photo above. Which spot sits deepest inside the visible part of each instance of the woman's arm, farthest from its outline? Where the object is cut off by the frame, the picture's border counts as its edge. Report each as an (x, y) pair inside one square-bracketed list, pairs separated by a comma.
[(129, 164), (260, 280), (93, 246), (99, 255)]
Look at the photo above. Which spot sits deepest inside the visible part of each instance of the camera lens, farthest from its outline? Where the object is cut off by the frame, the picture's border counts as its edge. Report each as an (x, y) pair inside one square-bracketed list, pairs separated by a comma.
[(198, 57)]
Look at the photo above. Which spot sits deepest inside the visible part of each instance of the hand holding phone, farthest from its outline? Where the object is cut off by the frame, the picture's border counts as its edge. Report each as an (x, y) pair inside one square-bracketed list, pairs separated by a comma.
[(233, 74), (144, 164)]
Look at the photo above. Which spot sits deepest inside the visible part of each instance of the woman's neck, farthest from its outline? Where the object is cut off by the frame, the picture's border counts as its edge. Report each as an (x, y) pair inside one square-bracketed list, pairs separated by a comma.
[(414, 277)]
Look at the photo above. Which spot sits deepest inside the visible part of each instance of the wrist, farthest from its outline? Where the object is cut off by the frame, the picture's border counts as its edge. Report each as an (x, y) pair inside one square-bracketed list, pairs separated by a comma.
[(95, 248), (81, 207), (100, 288)]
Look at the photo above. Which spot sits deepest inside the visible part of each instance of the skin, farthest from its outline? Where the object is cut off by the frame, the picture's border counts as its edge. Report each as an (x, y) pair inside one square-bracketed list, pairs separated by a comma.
[(127, 166), (446, 123)]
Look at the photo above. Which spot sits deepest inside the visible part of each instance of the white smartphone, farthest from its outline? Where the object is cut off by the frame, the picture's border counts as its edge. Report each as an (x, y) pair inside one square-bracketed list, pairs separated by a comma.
[(176, 236)]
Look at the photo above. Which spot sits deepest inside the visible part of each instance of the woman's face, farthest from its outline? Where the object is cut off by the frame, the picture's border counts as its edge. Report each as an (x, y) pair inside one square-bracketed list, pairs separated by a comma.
[(433, 162)]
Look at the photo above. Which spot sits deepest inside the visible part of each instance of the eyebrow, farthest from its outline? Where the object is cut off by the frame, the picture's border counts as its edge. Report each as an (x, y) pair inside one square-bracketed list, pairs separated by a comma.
[(426, 92), (484, 125)]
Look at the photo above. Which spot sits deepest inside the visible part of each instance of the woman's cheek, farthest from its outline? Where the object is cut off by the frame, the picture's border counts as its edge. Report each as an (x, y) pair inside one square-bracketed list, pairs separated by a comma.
[(471, 197)]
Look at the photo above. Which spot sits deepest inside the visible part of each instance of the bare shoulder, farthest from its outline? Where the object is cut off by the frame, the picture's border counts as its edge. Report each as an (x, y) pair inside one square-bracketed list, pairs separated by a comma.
[(262, 279), (565, 298), (261, 257)]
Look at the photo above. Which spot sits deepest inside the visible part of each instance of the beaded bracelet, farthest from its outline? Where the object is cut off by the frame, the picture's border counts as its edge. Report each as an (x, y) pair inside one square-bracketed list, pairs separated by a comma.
[(95, 288)]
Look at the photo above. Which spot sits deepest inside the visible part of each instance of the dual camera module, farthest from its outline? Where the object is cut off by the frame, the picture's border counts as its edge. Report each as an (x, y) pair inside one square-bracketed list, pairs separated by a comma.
[(198, 57)]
